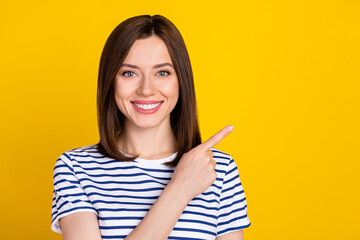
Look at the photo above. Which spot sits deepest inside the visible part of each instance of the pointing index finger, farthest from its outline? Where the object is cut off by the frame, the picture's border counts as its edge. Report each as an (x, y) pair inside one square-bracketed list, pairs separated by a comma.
[(217, 137)]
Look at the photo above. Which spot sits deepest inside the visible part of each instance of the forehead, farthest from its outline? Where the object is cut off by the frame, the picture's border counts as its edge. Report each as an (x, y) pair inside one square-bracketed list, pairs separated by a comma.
[(148, 52)]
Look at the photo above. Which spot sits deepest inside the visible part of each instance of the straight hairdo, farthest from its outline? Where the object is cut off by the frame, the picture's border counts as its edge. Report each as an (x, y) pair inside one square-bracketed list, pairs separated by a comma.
[(183, 118)]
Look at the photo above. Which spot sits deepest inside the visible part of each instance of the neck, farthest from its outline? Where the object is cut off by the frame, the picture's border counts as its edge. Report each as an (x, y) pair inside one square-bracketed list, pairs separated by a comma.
[(151, 143)]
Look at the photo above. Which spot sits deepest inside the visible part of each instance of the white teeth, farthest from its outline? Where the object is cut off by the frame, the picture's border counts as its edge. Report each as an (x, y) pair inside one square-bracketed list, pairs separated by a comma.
[(147, 106)]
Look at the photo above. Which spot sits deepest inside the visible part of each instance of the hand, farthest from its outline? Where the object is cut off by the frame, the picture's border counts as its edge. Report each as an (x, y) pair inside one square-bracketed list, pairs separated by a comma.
[(195, 171)]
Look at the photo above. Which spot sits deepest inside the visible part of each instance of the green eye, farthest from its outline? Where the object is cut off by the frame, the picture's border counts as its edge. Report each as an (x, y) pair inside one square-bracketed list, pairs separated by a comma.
[(128, 74), (163, 73)]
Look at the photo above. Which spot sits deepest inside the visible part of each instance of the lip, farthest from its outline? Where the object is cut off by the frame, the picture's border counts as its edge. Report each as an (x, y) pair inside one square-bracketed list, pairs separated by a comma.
[(145, 102), (146, 111)]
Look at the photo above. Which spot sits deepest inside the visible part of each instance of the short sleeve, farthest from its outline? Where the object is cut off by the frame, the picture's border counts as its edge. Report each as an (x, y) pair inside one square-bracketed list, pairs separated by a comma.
[(233, 208), (68, 196)]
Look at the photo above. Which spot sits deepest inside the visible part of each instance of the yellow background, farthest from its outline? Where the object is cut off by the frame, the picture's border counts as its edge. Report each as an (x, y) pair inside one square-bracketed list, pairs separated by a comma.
[(284, 73)]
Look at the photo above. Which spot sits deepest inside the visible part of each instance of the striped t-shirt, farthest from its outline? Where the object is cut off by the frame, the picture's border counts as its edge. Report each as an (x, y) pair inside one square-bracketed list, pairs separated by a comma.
[(121, 193)]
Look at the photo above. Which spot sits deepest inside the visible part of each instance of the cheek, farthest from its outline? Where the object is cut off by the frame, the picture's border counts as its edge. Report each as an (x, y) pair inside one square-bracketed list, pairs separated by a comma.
[(121, 95), (171, 90), (175, 90), (123, 89)]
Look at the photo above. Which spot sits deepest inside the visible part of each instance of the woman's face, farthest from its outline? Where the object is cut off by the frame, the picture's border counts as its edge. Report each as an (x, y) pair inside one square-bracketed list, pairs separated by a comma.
[(146, 86)]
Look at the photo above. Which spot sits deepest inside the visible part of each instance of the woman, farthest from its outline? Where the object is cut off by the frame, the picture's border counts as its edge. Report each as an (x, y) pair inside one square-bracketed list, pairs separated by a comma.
[(149, 177)]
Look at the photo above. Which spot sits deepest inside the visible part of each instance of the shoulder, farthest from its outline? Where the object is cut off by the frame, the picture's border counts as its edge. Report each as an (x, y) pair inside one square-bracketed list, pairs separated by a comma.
[(221, 157), (83, 150), (79, 154), (223, 160)]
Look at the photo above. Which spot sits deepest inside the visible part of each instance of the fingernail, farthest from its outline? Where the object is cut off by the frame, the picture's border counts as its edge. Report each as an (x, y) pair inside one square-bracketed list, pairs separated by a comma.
[(231, 127)]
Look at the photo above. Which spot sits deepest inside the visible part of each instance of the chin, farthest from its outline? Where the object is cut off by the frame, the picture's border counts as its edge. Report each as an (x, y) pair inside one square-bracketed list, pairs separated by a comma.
[(148, 121), (147, 124)]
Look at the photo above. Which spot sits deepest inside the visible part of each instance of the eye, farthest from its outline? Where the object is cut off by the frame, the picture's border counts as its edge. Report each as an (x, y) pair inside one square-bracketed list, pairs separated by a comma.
[(128, 74), (163, 73)]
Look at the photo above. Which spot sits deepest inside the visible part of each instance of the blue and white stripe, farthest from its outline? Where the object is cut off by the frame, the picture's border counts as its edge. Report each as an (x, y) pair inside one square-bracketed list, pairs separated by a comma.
[(121, 194)]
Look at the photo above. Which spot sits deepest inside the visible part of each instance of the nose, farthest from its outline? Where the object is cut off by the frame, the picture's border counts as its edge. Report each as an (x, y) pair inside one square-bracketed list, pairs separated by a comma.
[(147, 86)]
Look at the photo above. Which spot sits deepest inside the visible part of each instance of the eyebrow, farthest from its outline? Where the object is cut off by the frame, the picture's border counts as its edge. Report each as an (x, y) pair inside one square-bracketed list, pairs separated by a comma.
[(155, 66)]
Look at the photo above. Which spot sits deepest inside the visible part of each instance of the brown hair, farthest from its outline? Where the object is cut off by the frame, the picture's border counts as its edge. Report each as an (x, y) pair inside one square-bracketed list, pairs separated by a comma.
[(183, 118)]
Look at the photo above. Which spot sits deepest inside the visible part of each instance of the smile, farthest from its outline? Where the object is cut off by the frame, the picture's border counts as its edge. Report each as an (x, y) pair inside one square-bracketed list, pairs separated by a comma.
[(146, 107)]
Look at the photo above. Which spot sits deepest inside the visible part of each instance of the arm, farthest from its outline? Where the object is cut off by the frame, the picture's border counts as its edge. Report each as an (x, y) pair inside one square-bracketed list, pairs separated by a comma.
[(81, 225), (156, 224), (237, 235)]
